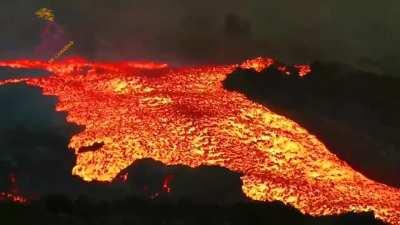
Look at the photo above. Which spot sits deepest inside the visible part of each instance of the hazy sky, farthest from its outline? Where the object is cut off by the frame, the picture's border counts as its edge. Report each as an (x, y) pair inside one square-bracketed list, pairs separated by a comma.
[(363, 33)]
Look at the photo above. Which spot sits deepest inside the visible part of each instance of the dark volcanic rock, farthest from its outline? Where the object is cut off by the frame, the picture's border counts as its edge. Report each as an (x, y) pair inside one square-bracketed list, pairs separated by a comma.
[(61, 210)]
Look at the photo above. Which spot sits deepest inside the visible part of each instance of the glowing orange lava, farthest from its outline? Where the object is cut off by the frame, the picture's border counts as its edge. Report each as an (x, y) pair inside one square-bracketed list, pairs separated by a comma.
[(258, 64), (185, 116)]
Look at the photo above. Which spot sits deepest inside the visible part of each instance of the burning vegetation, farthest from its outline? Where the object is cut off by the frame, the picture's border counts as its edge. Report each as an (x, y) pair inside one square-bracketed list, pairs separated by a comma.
[(139, 110)]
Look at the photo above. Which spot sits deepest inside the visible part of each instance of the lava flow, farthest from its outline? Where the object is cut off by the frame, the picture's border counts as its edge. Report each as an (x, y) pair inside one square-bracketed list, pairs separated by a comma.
[(185, 116)]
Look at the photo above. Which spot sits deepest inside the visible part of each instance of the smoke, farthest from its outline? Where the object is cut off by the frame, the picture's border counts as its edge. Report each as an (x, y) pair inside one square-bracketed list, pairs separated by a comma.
[(52, 38), (360, 33)]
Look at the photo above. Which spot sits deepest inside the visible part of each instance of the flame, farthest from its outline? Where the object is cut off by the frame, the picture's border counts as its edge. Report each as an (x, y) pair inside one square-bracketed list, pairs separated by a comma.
[(166, 187), (303, 69), (13, 195), (124, 177), (185, 116), (6, 196)]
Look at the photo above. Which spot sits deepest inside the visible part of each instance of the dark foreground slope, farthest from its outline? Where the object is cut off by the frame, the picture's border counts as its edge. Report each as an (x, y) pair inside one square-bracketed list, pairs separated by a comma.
[(356, 114), (61, 210)]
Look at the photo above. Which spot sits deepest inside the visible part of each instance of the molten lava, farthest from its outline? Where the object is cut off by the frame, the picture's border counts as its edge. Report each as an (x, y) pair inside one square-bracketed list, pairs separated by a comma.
[(185, 116)]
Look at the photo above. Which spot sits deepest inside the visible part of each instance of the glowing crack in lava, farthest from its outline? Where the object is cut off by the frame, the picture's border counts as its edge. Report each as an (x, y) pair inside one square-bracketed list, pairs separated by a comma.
[(185, 116)]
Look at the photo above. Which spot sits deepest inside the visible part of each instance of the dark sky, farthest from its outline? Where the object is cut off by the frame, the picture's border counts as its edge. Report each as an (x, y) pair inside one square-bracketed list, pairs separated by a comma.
[(363, 33)]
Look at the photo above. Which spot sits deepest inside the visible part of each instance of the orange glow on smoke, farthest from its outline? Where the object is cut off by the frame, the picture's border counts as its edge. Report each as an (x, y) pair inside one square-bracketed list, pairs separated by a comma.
[(185, 116)]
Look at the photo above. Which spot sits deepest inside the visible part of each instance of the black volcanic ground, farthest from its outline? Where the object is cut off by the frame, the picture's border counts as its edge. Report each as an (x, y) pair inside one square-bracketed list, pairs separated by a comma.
[(57, 209)]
